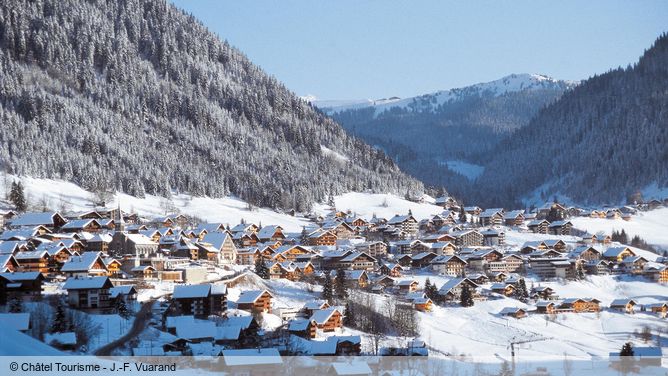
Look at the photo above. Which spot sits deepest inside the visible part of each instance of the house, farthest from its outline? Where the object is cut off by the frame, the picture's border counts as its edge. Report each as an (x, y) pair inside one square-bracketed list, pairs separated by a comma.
[(452, 290), (357, 261), (271, 233), (305, 328), (328, 319), (219, 248), (26, 285), (579, 305), (656, 272), (539, 226), (50, 220), (374, 249), (452, 265), (406, 223), (34, 261), (505, 289), (78, 225), (320, 237), (342, 230), (356, 278), (660, 308), (598, 267), (255, 301), (556, 244), (313, 306), (200, 300), (422, 259), (514, 218), (89, 292), (443, 248), (492, 217), (542, 292), (493, 237), (546, 307), (468, 238), (407, 286), (560, 228), (617, 254), (585, 252), (634, 264), (99, 243), (126, 293), (8, 263), (87, 264), (623, 305), (515, 312)]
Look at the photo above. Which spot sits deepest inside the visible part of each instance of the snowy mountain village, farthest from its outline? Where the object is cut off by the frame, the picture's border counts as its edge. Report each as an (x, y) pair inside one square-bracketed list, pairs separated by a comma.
[(107, 281)]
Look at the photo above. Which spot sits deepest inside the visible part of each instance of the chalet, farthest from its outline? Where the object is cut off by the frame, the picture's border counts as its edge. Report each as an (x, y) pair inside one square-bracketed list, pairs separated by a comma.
[(357, 261), (439, 238), (245, 239), (515, 312), (552, 267), (374, 249), (617, 254), (271, 233), (656, 272), (78, 225), (50, 220), (512, 263), (412, 246), (468, 238), (546, 307), (320, 237), (602, 238), (126, 293), (405, 260), (539, 226), (113, 267), (357, 222), (90, 292), (487, 259), (422, 259), (542, 292), (200, 300), (34, 261), (407, 285), (392, 270), (514, 218), (452, 265), (492, 217), (245, 228), (8, 263), (452, 289), (99, 243), (247, 256), (634, 264), (313, 306), (598, 267), (12, 246), (87, 264), (623, 305), (505, 289), (255, 301), (579, 305), (304, 328), (153, 234), (492, 237), (587, 253), (660, 308), (613, 214), (443, 248), (356, 278), (292, 252), (222, 249), (24, 284), (406, 223), (478, 278), (445, 218), (24, 233), (556, 244), (445, 201), (560, 228), (342, 230), (422, 304), (531, 246), (144, 272), (328, 319)]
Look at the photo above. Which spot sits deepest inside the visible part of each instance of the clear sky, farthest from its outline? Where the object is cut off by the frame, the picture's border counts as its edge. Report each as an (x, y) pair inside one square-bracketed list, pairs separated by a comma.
[(358, 49)]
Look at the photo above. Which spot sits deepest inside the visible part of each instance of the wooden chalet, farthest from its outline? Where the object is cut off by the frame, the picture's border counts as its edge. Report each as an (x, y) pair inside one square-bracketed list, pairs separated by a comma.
[(89, 292), (328, 319), (200, 300), (452, 265), (255, 301), (617, 254), (320, 237), (623, 305), (579, 305), (539, 226), (514, 312)]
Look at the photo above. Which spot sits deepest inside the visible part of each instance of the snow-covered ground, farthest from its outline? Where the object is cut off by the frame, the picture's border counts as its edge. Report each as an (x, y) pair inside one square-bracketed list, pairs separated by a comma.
[(469, 170), (651, 226), (383, 205), (112, 327)]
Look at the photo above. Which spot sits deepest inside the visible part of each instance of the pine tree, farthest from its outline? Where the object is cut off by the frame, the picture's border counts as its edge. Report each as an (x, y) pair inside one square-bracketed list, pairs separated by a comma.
[(427, 286), (462, 214), (349, 318), (340, 288), (16, 305), (261, 268), (17, 197), (627, 350), (466, 299), (60, 319), (122, 309), (579, 271), (327, 293)]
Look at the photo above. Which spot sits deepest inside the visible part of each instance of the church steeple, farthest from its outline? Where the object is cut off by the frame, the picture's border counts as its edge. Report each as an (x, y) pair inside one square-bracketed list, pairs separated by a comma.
[(120, 222)]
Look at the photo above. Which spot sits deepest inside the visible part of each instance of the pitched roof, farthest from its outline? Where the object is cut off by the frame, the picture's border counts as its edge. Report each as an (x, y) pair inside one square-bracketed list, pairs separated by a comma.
[(321, 316), (81, 263), (191, 291), (87, 283), (250, 296)]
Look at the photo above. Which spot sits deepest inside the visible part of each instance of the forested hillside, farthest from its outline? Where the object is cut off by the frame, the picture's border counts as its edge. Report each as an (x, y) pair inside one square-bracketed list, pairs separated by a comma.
[(140, 97), (598, 143), (424, 132)]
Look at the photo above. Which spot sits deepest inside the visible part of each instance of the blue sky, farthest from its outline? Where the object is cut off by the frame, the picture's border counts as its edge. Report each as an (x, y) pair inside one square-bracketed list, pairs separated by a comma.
[(349, 49)]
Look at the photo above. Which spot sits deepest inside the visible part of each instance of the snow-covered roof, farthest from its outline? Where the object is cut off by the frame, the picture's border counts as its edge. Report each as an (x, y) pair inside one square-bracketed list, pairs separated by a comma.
[(191, 291), (622, 302), (78, 224), (81, 263), (250, 296), (87, 283), (22, 344), (321, 316), (17, 321), (34, 219), (139, 239)]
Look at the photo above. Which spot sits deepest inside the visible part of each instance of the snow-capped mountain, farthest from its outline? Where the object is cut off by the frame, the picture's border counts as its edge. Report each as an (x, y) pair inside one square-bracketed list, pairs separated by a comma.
[(431, 101)]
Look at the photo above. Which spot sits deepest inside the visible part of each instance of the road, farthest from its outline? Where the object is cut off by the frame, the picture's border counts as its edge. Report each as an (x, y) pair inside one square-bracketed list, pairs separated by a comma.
[(138, 326)]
